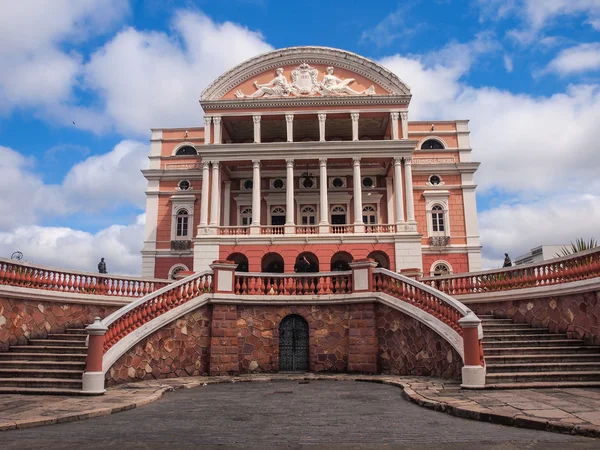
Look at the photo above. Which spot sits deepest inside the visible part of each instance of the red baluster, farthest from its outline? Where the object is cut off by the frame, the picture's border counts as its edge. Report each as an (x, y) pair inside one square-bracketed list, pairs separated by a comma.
[(321, 287), (237, 285)]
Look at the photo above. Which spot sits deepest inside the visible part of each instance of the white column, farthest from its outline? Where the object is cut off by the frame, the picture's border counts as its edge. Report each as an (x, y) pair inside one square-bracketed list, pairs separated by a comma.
[(204, 195), (289, 197), (390, 199), (214, 195), (256, 120), (207, 121), (255, 229), (410, 202), (359, 226), (354, 117), (217, 131), (322, 118), (404, 117), (398, 190), (289, 125), (227, 204), (324, 222), (394, 118)]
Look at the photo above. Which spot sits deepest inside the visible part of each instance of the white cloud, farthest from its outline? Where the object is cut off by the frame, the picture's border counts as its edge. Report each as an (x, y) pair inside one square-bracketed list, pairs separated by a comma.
[(68, 248), (392, 27), (516, 228), (508, 63), (35, 69), (581, 58), (150, 79), (96, 185)]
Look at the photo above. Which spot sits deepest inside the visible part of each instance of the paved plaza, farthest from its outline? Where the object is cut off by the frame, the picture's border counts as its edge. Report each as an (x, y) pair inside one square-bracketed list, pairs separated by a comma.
[(286, 413)]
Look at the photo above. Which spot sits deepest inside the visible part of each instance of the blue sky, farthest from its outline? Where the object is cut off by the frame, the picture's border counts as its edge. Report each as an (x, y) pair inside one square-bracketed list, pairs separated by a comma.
[(80, 89)]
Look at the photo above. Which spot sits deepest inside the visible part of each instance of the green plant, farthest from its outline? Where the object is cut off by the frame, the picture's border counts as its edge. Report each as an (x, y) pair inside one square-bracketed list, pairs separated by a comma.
[(580, 245)]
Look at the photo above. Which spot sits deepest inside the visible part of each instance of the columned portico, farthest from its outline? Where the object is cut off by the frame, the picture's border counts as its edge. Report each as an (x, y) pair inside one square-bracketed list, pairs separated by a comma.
[(410, 202), (256, 121), (324, 222), (354, 117), (289, 126), (217, 131), (404, 118), (256, 200), (394, 124), (215, 195), (207, 122), (322, 118), (359, 226), (398, 191), (289, 197), (204, 195)]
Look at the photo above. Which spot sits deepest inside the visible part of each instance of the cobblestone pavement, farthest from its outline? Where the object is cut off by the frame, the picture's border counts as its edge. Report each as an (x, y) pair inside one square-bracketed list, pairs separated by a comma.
[(287, 414)]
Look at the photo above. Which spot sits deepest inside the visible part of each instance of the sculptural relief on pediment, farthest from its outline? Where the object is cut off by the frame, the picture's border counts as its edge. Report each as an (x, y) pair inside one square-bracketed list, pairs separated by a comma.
[(304, 83)]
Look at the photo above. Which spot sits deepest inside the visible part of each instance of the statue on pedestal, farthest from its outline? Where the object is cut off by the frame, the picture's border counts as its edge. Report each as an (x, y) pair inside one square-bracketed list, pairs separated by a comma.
[(102, 266), (507, 261)]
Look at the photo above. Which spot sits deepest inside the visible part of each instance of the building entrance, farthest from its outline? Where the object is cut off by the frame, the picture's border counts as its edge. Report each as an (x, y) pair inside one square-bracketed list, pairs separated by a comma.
[(293, 344)]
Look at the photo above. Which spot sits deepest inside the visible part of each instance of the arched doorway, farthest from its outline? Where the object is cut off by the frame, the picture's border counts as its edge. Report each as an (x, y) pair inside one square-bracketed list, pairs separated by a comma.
[(272, 263), (311, 264), (341, 261), (380, 258), (293, 344), (241, 260)]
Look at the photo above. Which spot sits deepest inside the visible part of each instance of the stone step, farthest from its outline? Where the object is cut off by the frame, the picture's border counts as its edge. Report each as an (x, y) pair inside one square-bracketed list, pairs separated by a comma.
[(47, 349), (486, 316), (38, 391), (510, 326), (504, 331), (41, 373), (58, 383), (46, 365), (550, 358), (554, 376), (490, 321), (543, 367), (68, 337), (522, 336), (56, 342), (75, 331), (58, 357), (545, 385), (540, 350), (532, 343)]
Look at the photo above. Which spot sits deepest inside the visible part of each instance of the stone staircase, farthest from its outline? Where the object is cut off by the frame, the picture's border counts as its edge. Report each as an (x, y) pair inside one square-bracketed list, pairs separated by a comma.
[(519, 356), (52, 366)]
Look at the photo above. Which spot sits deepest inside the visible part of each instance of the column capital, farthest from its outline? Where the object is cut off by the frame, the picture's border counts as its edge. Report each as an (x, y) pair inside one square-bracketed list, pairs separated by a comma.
[(256, 118), (323, 162), (215, 164), (205, 164), (395, 115), (356, 161), (289, 118), (256, 163), (207, 120), (289, 163), (227, 183), (354, 116), (408, 161), (404, 115), (322, 117), (217, 120), (397, 161)]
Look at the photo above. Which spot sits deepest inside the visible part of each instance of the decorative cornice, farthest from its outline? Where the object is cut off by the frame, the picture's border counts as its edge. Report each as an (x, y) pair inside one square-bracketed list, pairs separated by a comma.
[(310, 55)]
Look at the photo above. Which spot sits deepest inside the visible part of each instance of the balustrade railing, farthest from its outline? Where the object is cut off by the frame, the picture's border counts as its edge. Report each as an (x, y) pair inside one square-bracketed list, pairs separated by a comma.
[(293, 284), (379, 228), (125, 320), (580, 266), (307, 229), (438, 304), (20, 274), (341, 229), (272, 230), (234, 231)]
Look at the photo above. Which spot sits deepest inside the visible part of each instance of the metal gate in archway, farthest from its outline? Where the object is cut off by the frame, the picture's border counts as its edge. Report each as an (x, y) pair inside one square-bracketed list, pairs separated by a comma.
[(293, 344)]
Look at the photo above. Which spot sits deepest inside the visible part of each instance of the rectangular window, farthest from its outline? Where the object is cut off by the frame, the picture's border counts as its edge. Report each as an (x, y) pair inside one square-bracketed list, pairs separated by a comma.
[(182, 226)]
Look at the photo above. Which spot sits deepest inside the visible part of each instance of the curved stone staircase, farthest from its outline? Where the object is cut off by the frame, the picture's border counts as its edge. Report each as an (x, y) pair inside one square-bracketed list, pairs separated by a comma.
[(520, 356), (52, 366)]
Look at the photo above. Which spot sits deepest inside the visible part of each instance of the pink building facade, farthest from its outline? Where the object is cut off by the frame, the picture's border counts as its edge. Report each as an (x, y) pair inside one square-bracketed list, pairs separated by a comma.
[(307, 161)]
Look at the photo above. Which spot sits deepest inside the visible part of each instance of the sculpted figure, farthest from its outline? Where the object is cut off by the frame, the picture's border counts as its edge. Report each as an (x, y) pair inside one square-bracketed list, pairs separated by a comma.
[(333, 85), (277, 87), (507, 261), (102, 266)]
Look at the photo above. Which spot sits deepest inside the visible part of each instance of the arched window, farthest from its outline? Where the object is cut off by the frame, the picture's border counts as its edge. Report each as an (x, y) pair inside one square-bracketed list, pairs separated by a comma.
[(432, 144), (380, 258), (241, 260), (439, 268), (338, 215), (277, 216), (246, 216), (341, 261), (175, 270), (182, 223), (437, 219), (188, 150), (308, 215), (306, 262), (369, 215), (272, 263)]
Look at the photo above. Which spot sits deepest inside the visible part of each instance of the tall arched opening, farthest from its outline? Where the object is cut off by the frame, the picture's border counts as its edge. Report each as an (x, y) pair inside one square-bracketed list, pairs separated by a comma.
[(293, 344), (272, 263), (306, 262), (381, 258), (340, 261), (241, 260)]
